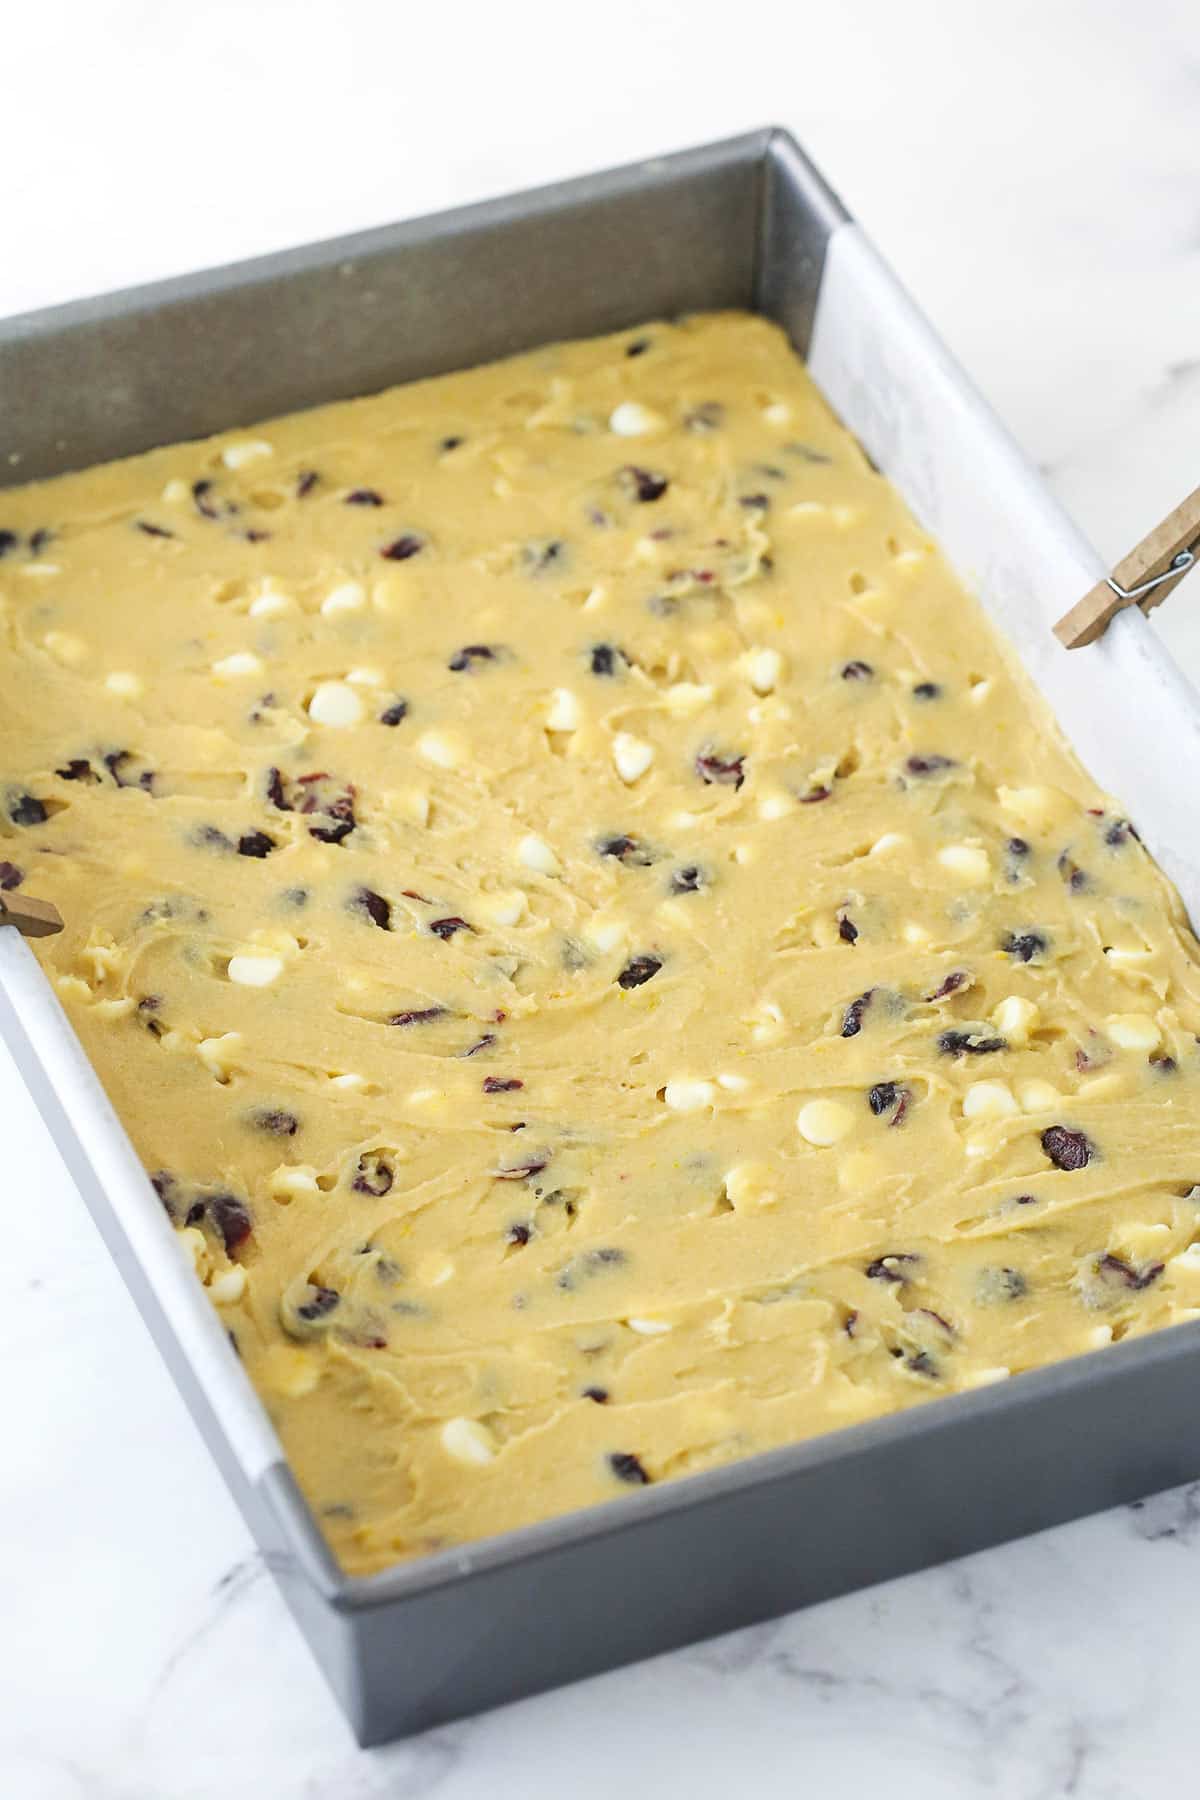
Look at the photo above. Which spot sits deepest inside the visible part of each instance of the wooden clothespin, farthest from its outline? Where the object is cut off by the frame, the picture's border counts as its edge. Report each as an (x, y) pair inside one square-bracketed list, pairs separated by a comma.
[(32, 918), (1143, 578)]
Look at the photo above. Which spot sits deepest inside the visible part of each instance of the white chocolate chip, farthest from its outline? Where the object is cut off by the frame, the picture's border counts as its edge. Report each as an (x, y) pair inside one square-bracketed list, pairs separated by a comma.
[(336, 703), (966, 862), (438, 748), (687, 697), (535, 853), (989, 1100), (65, 647), (372, 678), (631, 419), (734, 1084), (348, 596), (220, 1055), (1133, 1031), (764, 669), (195, 1248), (247, 450), (976, 1378), (1188, 1261), (270, 603), (291, 1179), (176, 492), (777, 413), (350, 1081), (775, 806), (891, 840), (1015, 1018), (915, 934), (506, 908), (1035, 808), (229, 1286), (824, 1122), (749, 1187), (468, 1441), (254, 968), (631, 756), (649, 1327), (233, 667), (125, 683), (604, 932), (435, 1270), (1035, 1095), (687, 1094), (562, 714)]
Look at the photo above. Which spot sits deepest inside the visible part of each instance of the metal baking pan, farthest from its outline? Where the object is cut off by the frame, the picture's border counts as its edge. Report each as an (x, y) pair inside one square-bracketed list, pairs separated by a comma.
[(746, 223)]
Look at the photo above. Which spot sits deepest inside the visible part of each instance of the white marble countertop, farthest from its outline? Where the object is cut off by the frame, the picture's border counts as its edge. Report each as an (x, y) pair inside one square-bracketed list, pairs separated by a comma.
[(1032, 172)]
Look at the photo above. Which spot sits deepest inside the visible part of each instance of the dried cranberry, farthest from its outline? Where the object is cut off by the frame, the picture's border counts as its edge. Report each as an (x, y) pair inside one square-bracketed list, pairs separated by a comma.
[(483, 1043), (376, 908), (10, 877), (498, 1084), (201, 495), (638, 971), (1017, 847), (417, 1016), (847, 929), (967, 1043), (277, 1122), (626, 1467), (883, 1096), (853, 1018), (39, 539), (638, 347), (603, 659), (623, 848), (598, 1394), (928, 765), (152, 530), (1120, 1270), (1069, 1150), (1075, 878), (518, 1234), (726, 771), (708, 416), (450, 443), (393, 714), (921, 1363), (8, 542), (956, 979), (1119, 832), (373, 1175), (1023, 946), (857, 671), (523, 1171), (814, 795), (540, 556), (469, 655), (165, 1185), (323, 1301), (885, 1268), (645, 484), (77, 769), (26, 809), (446, 928), (231, 1217), (255, 843), (401, 548), (927, 690), (364, 497), (687, 881), (306, 481), (127, 772)]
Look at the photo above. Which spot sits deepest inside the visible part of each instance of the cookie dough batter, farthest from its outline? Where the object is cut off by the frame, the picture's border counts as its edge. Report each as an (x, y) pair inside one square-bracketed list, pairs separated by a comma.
[(608, 964)]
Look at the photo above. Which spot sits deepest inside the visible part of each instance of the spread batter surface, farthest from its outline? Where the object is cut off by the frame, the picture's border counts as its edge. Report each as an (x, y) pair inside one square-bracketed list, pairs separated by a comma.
[(608, 965)]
